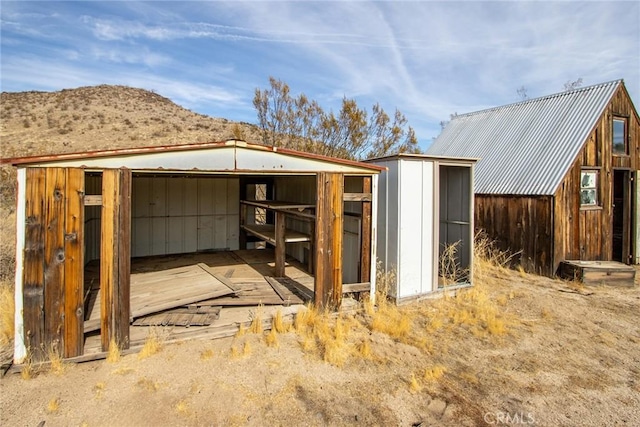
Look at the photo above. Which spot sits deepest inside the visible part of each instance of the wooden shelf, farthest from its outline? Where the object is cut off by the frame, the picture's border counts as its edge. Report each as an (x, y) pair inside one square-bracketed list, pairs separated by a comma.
[(267, 232)]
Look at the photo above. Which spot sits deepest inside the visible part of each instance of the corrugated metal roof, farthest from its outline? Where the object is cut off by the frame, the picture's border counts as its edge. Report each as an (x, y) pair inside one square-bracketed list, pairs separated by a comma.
[(525, 148)]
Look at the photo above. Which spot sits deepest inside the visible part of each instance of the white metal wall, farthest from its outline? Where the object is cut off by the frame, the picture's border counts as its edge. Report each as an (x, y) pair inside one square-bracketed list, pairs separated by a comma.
[(181, 214)]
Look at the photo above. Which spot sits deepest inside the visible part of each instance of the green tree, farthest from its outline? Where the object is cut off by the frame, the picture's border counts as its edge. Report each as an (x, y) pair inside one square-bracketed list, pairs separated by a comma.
[(353, 133)]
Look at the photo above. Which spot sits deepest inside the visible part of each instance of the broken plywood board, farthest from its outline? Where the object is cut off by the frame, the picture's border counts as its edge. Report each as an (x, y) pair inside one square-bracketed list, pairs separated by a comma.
[(162, 290), (254, 293), (187, 316)]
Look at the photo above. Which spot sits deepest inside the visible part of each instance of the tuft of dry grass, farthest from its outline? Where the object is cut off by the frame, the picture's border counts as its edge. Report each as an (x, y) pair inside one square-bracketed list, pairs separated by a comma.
[(99, 389), (414, 385), (53, 406), (272, 338), (152, 345), (206, 354), (57, 365), (28, 370), (113, 355), (434, 373), (256, 322), (246, 349), (279, 324), (241, 331), (182, 408), (148, 384)]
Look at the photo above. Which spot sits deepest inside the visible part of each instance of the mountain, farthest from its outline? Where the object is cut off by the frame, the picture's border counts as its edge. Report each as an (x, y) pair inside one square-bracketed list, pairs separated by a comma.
[(104, 117)]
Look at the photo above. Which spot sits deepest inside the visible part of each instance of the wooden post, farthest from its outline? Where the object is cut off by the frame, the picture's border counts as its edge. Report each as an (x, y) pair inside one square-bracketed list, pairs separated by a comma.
[(33, 278), (74, 264), (280, 249), (122, 300), (114, 258), (54, 258), (365, 234), (328, 241)]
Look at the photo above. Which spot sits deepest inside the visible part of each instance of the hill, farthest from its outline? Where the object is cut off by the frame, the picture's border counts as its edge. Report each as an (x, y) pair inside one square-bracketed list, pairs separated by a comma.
[(104, 117)]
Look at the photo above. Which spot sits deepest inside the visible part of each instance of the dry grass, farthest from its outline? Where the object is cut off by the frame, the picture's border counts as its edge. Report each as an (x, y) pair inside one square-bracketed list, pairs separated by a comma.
[(57, 366), (278, 323), (414, 385), (152, 345), (182, 408), (28, 369), (113, 355), (272, 338), (149, 385), (256, 321), (207, 354), (7, 303), (53, 406)]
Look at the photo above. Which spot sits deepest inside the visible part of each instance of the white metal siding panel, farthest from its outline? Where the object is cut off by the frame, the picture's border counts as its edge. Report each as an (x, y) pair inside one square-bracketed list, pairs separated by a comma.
[(184, 214), (427, 208), (410, 229), (19, 347)]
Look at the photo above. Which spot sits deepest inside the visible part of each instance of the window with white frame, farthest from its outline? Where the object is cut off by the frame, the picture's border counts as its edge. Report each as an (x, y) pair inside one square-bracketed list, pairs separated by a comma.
[(589, 188)]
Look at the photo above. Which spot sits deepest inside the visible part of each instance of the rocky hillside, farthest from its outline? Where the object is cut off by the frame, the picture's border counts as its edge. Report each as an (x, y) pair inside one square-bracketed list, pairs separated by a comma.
[(104, 117)]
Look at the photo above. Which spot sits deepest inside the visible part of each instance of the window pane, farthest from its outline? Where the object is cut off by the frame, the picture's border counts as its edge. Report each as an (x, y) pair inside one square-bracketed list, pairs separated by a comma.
[(588, 180), (618, 137), (588, 197)]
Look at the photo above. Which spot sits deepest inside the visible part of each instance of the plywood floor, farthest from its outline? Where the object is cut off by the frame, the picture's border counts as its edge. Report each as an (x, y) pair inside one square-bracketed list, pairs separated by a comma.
[(240, 278)]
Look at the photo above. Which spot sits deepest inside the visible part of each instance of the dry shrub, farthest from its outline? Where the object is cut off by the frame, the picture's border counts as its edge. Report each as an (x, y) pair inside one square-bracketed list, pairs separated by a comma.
[(414, 385), (434, 373), (488, 260), (57, 365), (148, 384), (152, 345), (28, 370)]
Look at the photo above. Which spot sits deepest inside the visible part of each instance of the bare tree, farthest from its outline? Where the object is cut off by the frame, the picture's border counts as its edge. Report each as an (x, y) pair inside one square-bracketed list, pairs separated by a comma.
[(522, 93), (571, 85), (353, 133)]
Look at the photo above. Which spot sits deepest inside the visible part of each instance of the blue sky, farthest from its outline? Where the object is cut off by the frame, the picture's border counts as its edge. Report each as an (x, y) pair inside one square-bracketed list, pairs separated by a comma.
[(428, 59)]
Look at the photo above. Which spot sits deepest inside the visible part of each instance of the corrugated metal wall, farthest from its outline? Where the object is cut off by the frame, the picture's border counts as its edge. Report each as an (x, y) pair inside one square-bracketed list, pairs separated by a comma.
[(455, 212), (181, 214)]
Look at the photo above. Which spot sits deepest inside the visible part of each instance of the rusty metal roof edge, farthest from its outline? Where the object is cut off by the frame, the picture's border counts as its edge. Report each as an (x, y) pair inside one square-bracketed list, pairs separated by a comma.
[(185, 147)]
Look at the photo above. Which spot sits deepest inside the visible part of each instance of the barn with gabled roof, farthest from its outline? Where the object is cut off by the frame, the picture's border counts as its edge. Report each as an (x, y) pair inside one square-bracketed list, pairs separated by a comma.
[(557, 175)]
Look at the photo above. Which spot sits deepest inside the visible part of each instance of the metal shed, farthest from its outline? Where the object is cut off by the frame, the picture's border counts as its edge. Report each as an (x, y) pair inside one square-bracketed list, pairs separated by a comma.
[(425, 204), (111, 207)]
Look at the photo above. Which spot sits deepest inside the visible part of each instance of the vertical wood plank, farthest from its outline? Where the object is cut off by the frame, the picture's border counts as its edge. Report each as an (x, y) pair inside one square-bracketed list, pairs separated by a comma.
[(365, 233), (54, 258), (33, 278), (121, 302), (328, 240), (280, 248), (336, 191), (74, 264), (108, 254)]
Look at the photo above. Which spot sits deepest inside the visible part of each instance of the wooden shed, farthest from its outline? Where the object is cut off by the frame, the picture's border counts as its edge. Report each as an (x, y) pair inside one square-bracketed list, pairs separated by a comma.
[(83, 219), (425, 223), (557, 176)]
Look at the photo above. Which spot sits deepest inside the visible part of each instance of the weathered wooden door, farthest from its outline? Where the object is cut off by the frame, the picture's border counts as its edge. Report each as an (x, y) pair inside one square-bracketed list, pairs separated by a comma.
[(53, 274), (621, 218)]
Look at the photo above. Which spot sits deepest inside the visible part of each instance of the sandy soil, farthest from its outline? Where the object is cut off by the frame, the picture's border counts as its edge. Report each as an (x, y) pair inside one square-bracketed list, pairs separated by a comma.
[(554, 354)]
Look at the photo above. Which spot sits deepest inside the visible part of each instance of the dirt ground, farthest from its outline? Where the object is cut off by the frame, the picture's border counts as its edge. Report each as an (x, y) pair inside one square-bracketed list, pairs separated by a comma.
[(515, 350)]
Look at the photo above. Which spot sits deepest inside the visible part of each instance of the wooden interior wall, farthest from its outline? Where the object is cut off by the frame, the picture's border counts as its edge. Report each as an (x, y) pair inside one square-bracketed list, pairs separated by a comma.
[(53, 262), (585, 233), (328, 239), (519, 224), (115, 258)]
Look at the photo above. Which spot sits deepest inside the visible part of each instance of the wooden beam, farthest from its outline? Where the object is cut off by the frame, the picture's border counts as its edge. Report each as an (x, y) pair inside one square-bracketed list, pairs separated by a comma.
[(33, 276), (74, 264), (108, 254), (365, 196), (328, 241), (356, 287), (365, 233), (121, 302), (54, 259), (280, 246), (93, 200)]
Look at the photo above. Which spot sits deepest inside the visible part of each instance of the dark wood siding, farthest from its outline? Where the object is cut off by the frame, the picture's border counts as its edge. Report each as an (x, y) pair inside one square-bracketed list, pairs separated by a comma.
[(586, 233), (519, 224)]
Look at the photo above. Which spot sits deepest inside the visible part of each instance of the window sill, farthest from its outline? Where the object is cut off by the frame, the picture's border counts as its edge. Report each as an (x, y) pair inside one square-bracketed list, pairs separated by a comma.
[(590, 208)]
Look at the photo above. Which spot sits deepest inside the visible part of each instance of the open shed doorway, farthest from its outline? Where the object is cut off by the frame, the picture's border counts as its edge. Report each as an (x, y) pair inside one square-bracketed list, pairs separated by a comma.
[(456, 217), (622, 241), (204, 252)]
